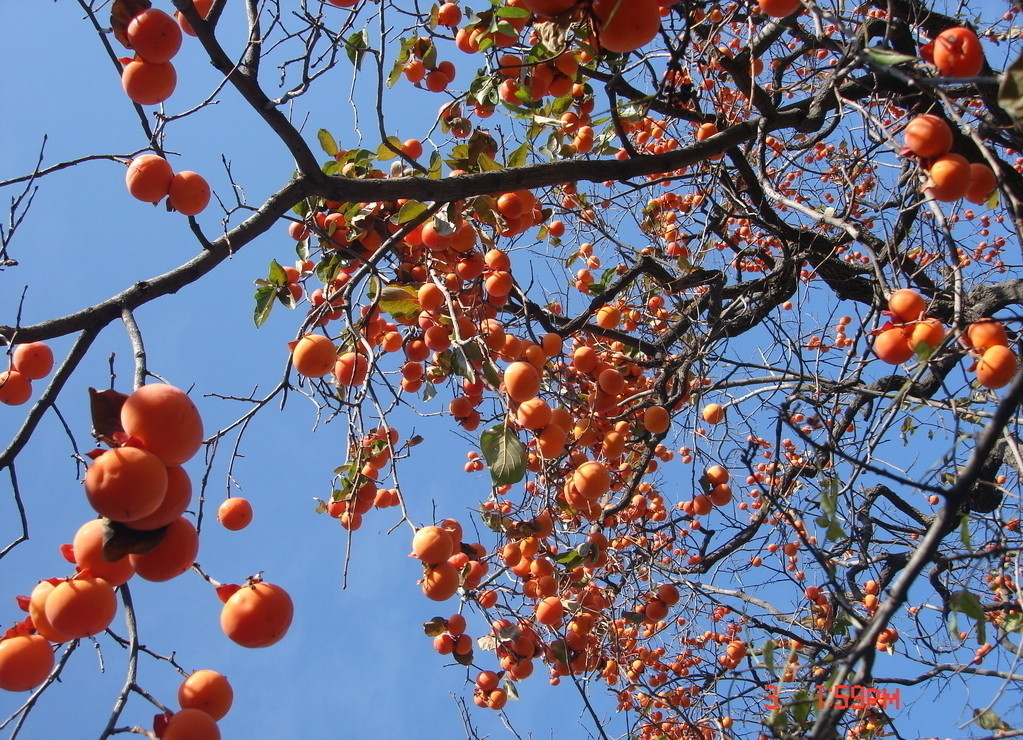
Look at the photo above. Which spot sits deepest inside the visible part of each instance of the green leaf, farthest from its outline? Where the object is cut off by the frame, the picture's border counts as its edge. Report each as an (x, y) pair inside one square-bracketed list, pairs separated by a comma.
[(429, 391), (801, 705), (356, 46), (767, 653), (400, 60), (436, 626), (510, 11), (327, 268), (964, 532), (120, 540), (966, 603), (265, 295), (276, 275), (1013, 622), (459, 365), (436, 164), (512, 690), (988, 720), (779, 719), (560, 650), (410, 210), (504, 453), (430, 56), (327, 142), (487, 164), (491, 373), (569, 558), (400, 301), (1010, 92), (385, 152), (285, 298), (495, 521), (887, 57), (518, 157)]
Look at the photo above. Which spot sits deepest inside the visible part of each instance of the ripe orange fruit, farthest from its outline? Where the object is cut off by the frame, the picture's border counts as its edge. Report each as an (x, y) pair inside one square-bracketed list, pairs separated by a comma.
[(440, 582), (25, 662), (509, 205), (15, 388), (191, 724), (997, 366), (549, 611), (166, 421), (257, 615), (34, 360), (551, 441), (656, 610), (154, 36), (779, 8), (87, 547), (412, 148), (611, 381), (202, 7), (608, 317), (499, 284), (705, 131), (430, 297), (957, 53), (146, 83), (553, 345), (549, 8), (591, 480), (189, 193), (720, 494), (351, 368), (702, 504), (521, 381), (892, 346), (37, 610), (235, 513), (207, 690), (985, 333), (949, 177), (656, 419), (982, 184), (717, 474), (625, 26), (497, 699), (713, 413), (432, 545), (668, 593), (533, 413), (906, 305), (584, 358), (81, 607), (126, 483), (149, 178), (179, 495), (173, 556), (928, 331), (928, 136)]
